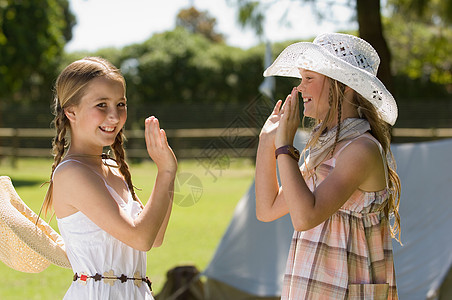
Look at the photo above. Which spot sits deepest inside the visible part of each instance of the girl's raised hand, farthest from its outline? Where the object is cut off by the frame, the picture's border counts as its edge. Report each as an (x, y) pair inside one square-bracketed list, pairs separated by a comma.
[(157, 146), (289, 120), (268, 131)]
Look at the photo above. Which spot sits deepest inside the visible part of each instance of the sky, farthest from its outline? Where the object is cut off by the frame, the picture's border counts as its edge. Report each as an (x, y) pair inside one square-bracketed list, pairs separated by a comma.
[(117, 23)]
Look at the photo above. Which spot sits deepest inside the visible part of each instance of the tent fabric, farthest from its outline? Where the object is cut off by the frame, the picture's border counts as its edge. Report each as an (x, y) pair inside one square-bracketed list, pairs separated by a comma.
[(252, 255), (425, 259)]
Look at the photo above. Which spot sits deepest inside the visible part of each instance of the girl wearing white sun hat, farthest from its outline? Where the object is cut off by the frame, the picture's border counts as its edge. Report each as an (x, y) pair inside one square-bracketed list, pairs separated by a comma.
[(341, 198)]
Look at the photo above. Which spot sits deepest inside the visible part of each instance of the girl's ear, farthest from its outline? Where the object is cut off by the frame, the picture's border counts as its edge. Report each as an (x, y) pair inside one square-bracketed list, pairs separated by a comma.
[(70, 113)]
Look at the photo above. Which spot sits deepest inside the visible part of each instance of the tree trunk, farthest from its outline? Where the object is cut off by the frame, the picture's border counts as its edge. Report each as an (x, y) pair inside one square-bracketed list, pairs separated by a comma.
[(371, 30)]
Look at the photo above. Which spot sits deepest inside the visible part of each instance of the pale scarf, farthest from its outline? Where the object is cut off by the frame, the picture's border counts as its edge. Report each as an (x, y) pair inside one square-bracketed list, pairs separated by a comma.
[(350, 128)]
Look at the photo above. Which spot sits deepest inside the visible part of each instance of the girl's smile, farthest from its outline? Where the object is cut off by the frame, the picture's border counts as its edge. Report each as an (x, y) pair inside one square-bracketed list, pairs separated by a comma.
[(314, 90), (100, 115), (103, 223), (107, 129)]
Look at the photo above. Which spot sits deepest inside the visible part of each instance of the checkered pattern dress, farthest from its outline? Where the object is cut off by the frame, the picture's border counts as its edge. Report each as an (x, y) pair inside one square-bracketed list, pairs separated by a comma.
[(349, 256)]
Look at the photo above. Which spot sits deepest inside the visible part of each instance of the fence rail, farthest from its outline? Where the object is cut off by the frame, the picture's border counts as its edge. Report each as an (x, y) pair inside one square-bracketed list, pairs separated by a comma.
[(11, 140)]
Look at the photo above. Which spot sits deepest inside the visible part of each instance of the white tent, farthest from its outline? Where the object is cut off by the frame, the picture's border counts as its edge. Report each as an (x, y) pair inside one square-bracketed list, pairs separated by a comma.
[(251, 256), (250, 259), (425, 260)]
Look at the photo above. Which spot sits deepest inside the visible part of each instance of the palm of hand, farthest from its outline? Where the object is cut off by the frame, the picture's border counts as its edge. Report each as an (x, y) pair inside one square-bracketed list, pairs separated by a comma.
[(157, 146), (271, 125), (289, 120)]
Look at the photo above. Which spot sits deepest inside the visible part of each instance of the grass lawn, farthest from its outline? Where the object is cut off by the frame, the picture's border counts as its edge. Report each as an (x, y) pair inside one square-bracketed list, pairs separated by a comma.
[(193, 232)]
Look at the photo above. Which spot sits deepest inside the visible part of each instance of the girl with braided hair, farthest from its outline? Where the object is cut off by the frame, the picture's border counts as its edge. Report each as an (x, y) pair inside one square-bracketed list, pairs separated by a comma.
[(342, 197), (105, 227)]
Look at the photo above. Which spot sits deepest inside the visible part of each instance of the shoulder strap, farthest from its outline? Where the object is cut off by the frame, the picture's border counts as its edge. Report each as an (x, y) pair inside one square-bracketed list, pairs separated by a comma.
[(77, 161), (97, 173), (383, 157), (343, 147)]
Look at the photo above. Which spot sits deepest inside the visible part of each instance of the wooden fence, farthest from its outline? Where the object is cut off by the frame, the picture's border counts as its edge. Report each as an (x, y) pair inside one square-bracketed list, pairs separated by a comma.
[(187, 143)]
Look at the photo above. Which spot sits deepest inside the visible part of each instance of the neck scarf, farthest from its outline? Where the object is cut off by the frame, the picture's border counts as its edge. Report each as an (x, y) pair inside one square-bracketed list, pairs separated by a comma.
[(350, 128)]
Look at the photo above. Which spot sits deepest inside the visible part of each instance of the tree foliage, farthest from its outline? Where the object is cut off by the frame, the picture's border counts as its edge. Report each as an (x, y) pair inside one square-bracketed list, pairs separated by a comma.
[(199, 22), (432, 12), (422, 54), (179, 66), (32, 38), (252, 13), (415, 38)]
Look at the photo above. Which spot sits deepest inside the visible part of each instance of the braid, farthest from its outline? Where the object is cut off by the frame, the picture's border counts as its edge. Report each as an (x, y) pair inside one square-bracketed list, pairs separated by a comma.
[(69, 89), (58, 143), (118, 149), (339, 88)]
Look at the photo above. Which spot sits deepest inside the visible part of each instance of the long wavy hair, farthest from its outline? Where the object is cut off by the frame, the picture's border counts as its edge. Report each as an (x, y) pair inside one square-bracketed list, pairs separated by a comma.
[(69, 89), (380, 130)]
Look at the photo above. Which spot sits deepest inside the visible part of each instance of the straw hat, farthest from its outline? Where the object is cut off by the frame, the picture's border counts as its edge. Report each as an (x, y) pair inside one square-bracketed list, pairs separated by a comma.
[(345, 58), (24, 246)]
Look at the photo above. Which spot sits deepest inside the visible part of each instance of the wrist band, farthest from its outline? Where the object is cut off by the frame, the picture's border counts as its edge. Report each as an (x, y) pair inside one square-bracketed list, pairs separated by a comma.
[(289, 150)]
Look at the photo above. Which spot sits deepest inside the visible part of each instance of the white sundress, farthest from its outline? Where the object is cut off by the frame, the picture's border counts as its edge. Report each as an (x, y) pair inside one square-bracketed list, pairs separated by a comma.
[(91, 250)]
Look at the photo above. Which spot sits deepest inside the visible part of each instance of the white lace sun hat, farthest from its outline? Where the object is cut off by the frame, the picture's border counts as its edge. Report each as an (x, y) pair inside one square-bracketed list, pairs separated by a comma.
[(345, 58)]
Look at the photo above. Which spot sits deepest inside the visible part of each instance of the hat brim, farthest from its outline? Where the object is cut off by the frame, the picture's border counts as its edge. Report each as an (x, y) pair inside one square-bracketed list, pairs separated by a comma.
[(309, 56), (26, 246)]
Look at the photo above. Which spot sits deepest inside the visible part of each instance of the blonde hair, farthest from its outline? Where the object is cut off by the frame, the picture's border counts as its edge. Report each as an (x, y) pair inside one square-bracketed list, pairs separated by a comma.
[(69, 89), (380, 130)]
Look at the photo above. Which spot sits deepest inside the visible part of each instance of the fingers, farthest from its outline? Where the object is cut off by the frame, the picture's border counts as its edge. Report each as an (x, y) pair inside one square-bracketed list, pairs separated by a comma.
[(153, 132), (156, 131), (291, 107), (277, 108), (157, 146), (295, 105), (289, 121), (286, 102), (147, 130), (163, 139)]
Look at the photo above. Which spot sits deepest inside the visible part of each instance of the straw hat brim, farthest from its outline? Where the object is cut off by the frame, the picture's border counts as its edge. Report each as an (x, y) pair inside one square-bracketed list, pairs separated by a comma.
[(24, 245), (315, 58)]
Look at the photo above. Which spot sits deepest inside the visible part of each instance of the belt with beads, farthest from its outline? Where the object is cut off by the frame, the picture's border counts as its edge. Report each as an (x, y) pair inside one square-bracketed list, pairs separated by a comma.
[(110, 278)]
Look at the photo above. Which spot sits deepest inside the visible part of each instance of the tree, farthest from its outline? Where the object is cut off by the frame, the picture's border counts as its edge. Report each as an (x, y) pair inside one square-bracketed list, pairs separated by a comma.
[(252, 13), (433, 12), (371, 30), (199, 22), (32, 38), (420, 34), (436, 14)]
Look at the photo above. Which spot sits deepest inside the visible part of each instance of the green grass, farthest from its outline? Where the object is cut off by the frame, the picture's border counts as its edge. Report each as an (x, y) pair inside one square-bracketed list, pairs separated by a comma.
[(191, 238)]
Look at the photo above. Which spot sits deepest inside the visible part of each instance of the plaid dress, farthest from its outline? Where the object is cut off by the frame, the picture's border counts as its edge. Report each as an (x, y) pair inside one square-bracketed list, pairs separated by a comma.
[(348, 256)]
